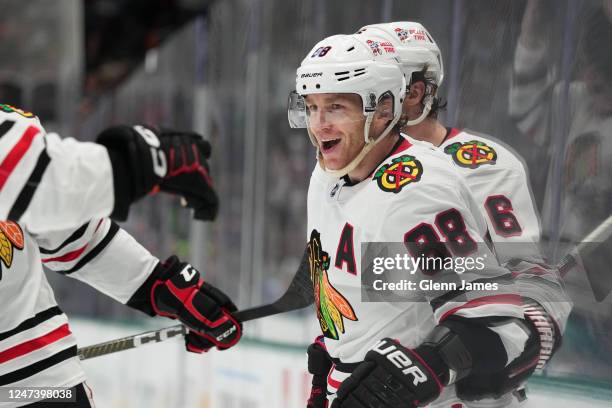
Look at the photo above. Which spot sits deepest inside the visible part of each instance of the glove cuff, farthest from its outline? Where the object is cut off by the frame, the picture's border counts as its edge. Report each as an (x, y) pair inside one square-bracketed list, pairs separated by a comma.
[(319, 362), (142, 298), (138, 163)]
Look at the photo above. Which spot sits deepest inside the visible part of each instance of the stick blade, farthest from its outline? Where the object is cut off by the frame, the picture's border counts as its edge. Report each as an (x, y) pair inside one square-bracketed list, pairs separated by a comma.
[(300, 294)]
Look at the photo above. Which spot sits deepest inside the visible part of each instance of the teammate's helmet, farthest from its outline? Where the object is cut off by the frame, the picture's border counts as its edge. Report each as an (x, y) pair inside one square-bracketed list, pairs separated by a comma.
[(418, 52), (365, 65)]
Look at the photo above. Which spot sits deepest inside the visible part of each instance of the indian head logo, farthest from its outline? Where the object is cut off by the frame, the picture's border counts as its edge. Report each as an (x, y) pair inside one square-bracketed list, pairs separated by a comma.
[(332, 307), (393, 177), (471, 154), (11, 237)]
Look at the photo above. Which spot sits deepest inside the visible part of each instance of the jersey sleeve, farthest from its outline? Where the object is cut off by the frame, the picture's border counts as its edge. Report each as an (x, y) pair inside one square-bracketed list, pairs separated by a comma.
[(48, 183), (100, 254)]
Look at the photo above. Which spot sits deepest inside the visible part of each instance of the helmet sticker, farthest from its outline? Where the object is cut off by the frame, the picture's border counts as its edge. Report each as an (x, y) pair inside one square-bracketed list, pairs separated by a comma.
[(378, 47), (412, 34), (321, 52)]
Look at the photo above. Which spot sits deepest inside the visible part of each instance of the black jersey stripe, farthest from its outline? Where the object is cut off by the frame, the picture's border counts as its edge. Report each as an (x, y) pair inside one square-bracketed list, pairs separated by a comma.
[(27, 192), (38, 366), (114, 228), (73, 237), (32, 322), (5, 127)]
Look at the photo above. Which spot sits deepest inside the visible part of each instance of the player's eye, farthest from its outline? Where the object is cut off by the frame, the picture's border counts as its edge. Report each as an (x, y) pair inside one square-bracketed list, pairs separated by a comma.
[(310, 109), (336, 106)]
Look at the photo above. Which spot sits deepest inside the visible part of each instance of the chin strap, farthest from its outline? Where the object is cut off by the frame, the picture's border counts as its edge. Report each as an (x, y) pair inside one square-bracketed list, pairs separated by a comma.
[(426, 109), (428, 101), (369, 145)]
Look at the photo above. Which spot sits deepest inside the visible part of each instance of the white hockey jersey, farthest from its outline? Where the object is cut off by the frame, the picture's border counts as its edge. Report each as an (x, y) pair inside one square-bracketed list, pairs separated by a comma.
[(54, 196), (498, 181), (414, 194)]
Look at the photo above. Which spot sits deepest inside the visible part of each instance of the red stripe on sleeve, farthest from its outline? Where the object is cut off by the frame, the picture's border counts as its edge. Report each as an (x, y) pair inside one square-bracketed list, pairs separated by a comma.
[(453, 132), (34, 344), (70, 256), (333, 382), (16, 154)]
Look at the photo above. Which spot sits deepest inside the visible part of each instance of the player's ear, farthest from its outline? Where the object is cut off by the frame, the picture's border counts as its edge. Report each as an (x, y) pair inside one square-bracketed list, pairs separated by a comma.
[(384, 108), (415, 94)]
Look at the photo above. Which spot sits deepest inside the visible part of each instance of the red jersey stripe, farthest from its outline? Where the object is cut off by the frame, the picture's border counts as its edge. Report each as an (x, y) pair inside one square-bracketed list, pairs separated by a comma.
[(70, 256), (453, 132), (403, 146), (485, 300), (34, 344), (333, 382), (16, 154)]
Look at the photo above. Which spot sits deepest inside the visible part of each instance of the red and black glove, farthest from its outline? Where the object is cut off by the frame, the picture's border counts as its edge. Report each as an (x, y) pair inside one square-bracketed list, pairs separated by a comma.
[(175, 290), (145, 160), (393, 376), (319, 365)]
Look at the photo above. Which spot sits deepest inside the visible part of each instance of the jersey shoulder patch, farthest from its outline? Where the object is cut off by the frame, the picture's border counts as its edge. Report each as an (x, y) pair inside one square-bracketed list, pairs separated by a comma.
[(472, 153), (396, 173), (473, 150)]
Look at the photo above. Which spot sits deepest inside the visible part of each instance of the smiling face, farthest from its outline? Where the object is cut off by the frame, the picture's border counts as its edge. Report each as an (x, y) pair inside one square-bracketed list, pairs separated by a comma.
[(336, 121)]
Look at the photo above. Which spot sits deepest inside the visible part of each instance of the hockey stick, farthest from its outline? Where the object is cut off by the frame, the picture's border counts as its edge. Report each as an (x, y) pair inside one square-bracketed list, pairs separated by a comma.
[(586, 246), (600, 281), (298, 295)]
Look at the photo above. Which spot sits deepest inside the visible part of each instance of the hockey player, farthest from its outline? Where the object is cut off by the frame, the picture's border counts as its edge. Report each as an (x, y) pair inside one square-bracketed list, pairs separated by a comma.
[(373, 184), (495, 176), (56, 196)]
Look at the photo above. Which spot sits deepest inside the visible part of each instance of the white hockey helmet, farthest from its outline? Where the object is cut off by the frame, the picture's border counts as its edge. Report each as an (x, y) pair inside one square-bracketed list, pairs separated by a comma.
[(417, 51), (365, 65)]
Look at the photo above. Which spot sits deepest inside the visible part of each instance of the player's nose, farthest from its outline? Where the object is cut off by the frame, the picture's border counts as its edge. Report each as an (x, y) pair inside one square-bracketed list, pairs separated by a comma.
[(319, 120)]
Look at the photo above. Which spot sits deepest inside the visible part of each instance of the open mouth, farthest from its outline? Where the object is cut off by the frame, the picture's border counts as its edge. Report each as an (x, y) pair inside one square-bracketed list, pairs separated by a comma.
[(327, 145)]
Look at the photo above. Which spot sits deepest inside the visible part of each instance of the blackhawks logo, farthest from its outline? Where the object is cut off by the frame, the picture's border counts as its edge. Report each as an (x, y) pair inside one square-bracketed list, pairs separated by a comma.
[(471, 154), (11, 237), (332, 307), (403, 170)]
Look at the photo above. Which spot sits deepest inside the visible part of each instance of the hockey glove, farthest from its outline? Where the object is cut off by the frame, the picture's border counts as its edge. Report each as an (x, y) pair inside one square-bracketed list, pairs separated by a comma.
[(175, 290), (319, 365), (391, 376), (146, 160)]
